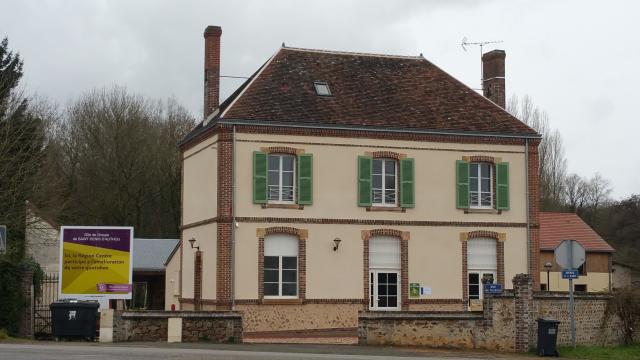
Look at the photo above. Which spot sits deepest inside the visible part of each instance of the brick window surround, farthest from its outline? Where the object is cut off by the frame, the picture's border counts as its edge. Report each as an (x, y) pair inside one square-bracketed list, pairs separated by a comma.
[(403, 236), (282, 150), (466, 236), (302, 235)]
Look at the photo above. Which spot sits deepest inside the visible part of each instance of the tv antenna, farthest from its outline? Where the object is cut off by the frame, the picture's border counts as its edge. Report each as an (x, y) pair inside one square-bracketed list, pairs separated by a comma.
[(466, 43)]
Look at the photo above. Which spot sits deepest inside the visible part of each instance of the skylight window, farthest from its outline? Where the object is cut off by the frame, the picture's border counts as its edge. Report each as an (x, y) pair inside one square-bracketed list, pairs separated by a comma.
[(322, 88)]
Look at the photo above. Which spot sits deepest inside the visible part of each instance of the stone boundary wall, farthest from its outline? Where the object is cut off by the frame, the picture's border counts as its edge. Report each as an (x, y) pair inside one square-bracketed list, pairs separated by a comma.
[(507, 322), (593, 325), (214, 326)]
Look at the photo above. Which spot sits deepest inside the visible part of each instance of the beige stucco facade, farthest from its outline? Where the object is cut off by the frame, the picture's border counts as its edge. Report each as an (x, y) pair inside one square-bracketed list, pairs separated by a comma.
[(172, 282), (435, 257)]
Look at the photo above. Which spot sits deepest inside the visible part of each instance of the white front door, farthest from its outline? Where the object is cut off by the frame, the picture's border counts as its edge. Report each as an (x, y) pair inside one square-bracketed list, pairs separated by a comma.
[(475, 283)]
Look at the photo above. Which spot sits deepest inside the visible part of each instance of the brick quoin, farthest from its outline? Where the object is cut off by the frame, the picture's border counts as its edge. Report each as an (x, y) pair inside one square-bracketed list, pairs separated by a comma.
[(534, 212), (224, 271)]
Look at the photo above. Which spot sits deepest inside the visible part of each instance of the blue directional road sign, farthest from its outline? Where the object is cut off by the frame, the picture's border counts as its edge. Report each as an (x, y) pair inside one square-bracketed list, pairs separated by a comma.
[(493, 288), (570, 274)]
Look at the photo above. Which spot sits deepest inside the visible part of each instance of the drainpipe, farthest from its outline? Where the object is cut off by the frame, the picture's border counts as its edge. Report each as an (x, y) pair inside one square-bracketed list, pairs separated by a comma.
[(233, 219), (527, 201)]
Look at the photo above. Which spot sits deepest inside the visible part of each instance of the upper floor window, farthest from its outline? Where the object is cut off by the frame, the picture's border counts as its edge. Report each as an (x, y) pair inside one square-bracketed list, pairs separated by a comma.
[(480, 185), (385, 182), (384, 177), (281, 178)]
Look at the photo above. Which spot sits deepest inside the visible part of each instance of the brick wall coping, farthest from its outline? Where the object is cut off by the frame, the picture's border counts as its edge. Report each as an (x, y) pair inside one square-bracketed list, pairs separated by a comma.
[(418, 315), (182, 314), (562, 295)]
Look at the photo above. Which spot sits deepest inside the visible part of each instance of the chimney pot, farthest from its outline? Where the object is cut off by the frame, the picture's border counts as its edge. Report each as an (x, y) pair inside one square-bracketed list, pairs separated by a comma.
[(493, 78), (211, 69)]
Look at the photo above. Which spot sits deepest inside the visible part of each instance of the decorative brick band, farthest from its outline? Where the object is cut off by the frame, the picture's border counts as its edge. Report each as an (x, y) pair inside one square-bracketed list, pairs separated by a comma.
[(282, 150), (500, 237), (373, 222), (403, 236), (302, 235), (482, 159), (386, 154), (357, 134), (301, 302), (435, 301)]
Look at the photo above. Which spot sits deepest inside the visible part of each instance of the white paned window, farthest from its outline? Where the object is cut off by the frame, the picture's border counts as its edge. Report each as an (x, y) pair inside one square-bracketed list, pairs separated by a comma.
[(480, 182), (384, 273), (482, 263), (384, 187), (282, 174), (280, 266)]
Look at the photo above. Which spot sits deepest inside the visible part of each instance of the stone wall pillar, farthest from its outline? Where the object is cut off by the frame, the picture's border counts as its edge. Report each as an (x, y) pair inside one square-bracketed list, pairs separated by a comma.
[(26, 321), (523, 289)]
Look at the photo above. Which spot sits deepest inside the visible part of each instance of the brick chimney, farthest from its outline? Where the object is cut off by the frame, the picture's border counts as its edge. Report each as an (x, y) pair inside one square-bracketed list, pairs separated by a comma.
[(211, 69), (493, 77)]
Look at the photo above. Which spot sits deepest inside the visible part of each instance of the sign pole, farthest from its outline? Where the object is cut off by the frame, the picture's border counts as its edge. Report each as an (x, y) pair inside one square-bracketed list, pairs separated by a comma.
[(573, 316), (571, 308)]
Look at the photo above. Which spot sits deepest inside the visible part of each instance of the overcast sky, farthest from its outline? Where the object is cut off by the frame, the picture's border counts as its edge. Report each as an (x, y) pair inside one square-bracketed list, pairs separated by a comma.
[(578, 60)]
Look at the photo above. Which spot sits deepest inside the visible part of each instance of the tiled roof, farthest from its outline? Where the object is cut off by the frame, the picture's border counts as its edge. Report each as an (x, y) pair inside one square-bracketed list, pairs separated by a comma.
[(555, 227), (381, 91)]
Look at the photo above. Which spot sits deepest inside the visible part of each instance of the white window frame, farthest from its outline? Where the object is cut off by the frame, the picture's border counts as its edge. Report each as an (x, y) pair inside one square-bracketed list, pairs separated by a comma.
[(383, 183), (280, 282), (478, 204), (481, 273), (280, 186), (373, 289)]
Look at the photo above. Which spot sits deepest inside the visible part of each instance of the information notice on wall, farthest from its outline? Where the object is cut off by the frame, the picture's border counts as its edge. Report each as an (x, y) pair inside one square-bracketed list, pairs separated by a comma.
[(95, 262)]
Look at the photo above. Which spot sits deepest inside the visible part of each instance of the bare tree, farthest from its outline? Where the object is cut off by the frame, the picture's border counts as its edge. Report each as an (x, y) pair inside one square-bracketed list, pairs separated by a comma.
[(599, 194), (576, 192), (115, 158), (551, 150)]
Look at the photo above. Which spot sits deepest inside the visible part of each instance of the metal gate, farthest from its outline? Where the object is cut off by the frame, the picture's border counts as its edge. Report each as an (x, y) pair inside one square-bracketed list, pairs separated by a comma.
[(41, 312)]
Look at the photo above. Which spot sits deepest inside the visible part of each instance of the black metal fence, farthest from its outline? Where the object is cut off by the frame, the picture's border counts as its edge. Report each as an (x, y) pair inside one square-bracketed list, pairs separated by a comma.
[(47, 294)]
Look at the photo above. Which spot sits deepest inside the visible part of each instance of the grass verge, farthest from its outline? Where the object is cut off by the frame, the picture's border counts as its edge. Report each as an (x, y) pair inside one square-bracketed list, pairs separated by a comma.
[(598, 352)]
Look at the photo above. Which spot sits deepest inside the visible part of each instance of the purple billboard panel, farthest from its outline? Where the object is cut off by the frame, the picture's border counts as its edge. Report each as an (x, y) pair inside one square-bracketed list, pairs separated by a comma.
[(115, 239)]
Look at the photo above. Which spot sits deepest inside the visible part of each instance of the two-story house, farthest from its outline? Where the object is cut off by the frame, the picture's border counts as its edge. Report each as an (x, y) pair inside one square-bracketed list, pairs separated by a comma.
[(335, 182)]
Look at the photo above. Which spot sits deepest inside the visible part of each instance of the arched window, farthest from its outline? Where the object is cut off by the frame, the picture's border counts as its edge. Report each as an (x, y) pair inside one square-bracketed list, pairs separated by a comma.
[(280, 266), (482, 265), (384, 273)]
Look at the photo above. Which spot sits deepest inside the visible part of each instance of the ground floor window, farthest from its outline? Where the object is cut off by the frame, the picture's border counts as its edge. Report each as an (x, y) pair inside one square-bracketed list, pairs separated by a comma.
[(281, 266), (384, 273), (482, 262)]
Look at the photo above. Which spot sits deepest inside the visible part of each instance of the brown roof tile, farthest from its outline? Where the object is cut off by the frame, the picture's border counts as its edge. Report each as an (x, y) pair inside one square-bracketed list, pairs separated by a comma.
[(555, 227), (367, 90)]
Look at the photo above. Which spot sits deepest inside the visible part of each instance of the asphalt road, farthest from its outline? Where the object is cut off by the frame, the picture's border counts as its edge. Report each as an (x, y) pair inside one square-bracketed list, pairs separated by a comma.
[(50, 351)]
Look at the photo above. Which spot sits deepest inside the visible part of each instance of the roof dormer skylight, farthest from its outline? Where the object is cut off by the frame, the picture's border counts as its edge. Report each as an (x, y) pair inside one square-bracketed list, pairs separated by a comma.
[(322, 88)]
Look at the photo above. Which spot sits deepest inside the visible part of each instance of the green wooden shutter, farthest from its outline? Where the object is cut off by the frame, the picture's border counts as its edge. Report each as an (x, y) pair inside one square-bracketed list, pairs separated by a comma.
[(502, 186), (462, 184), (305, 179), (364, 180), (407, 199), (259, 177)]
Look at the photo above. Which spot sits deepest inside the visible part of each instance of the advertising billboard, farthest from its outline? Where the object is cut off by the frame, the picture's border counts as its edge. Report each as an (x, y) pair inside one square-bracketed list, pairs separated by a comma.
[(95, 262)]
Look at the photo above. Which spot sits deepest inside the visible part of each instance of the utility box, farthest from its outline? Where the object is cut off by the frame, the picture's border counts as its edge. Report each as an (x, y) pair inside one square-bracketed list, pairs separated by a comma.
[(547, 337), (74, 319)]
